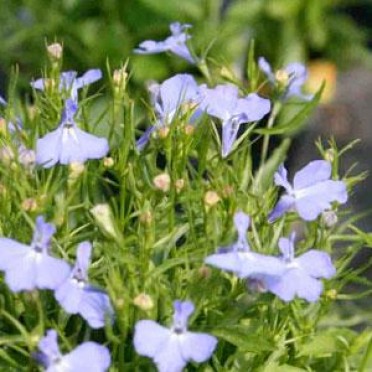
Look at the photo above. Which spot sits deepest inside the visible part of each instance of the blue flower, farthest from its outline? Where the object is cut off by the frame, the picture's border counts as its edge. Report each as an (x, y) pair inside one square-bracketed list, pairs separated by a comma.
[(70, 83), (168, 99), (171, 349), (28, 267), (224, 103), (89, 356), (312, 191), (77, 296), (68, 143), (175, 43), (295, 75), (301, 276), (239, 259)]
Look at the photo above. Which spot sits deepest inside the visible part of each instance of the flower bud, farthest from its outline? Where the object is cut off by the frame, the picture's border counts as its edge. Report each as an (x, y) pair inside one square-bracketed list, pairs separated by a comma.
[(146, 218), (163, 132), (329, 218), (29, 205), (26, 157), (75, 171), (282, 77), (55, 51), (105, 220), (189, 129), (227, 191), (119, 77), (211, 198), (108, 162), (162, 182), (329, 155), (144, 302), (204, 272), (179, 185), (331, 294)]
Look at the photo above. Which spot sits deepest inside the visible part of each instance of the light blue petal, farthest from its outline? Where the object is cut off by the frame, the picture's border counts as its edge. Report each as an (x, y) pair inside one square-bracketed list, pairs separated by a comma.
[(83, 254), (95, 307), (284, 204), (91, 76), (314, 172), (317, 264), (145, 138), (69, 295), (253, 107), (230, 130), (151, 47), (48, 345), (48, 148), (265, 67), (197, 347), (169, 358), (51, 272), (38, 84), (253, 264), (150, 337), (11, 252), (88, 356), (226, 261), (241, 222), (281, 178)]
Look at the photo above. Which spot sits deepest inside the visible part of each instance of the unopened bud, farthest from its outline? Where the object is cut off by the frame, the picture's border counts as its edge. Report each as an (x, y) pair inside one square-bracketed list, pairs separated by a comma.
[(119, 77), (108, 162), (6, 154), (179, 185), (227, 191), (211, 198), (204, 272), (146, 218), (119, 303), (282, 77), (105, 220), (29, 205), (75, 171), (329, 218), (189, 129), (32, 111), (49, 84), (55, 51), (329, 155), (26, 157), (331, 294), (162, 182), (163, 132), (144, 302)]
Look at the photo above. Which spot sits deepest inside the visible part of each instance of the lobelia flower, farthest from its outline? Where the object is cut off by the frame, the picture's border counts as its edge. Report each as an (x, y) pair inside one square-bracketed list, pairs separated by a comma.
[(175, 43), (30, 266), (171, 349), (312, 191), (89, 356), (167, 99), (69, 82), (68, 144), (301, 277), (77, 296), (294, 76), (224, 103), (240, 260)]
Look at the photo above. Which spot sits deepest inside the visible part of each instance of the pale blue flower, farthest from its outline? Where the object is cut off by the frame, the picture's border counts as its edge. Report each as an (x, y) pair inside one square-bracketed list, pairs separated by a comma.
[(28, 267), (301, 276), (68, 143), (77, 296), (312, 192), (239, 259), (167, 99), (89, 356), (176, 43), (224, 102), (70, 83), (297, 76), (172, 348)]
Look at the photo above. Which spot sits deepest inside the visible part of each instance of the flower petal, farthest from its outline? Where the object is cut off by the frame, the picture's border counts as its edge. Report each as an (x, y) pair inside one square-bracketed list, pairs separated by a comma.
[(48, 148), (317, 264), (284, 204), (51, 272), (197, 347), (11, 252), (314, 172), (69, 296)]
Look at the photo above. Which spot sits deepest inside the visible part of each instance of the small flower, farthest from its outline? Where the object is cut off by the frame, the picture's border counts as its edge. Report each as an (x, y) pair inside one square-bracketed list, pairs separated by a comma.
[(301, 276), (171, 349), (29, 205), (87, 356), (292, 78), (30, 266), (167, 99), (69, 83), (77, 296), (55, 51), (238, 257), (211, 198), (224, 103), (144, 302), (311, 193), (68, 143), (162, 182), (175, 43)]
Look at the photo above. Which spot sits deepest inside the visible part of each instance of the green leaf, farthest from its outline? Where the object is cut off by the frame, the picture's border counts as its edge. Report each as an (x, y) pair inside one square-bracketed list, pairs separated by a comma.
[(298, 120), (328, 342), (274, 367), (245, 338), (265, 173)]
